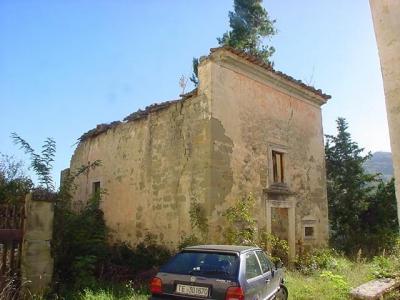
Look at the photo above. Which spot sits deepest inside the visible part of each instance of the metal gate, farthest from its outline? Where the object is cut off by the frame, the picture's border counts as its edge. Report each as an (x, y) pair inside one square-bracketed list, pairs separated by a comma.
[(11, 233)]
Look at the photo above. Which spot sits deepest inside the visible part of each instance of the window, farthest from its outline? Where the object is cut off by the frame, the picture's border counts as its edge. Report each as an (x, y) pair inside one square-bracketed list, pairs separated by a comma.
[(252, 266), (277, 166), (205, 264), (96, 187), (309, 232), (266, 265)]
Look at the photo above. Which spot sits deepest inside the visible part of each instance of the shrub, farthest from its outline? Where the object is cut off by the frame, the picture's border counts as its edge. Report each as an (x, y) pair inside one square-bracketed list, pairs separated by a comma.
[(387, 265), (189, 240), (339, 283), (277, 249), (79, 245), (319, 259), (127, 263), (149, 254), (241, 229)]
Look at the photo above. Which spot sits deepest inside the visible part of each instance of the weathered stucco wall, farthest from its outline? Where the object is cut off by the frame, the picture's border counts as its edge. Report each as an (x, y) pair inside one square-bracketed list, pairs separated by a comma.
[(251, 116), (152, 168), (213, 148), (386, 17)]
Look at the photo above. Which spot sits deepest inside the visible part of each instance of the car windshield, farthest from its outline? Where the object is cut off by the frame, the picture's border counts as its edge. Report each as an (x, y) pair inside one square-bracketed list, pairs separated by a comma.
[(207, 264)]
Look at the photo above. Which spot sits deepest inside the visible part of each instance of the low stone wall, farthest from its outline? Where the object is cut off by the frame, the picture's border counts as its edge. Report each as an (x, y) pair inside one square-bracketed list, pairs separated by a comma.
[(375, 289), (36, 261)]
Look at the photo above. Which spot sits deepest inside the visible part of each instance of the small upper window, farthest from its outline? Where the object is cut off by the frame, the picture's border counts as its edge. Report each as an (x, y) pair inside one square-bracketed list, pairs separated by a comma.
[(277, 166), (96, 187)]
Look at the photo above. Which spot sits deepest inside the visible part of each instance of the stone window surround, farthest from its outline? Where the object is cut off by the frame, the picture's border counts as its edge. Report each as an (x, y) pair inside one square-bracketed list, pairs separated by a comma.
[(309, 222)]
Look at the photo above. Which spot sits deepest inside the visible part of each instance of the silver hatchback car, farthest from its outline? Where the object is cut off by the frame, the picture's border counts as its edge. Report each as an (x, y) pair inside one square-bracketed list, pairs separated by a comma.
[(219, 272)]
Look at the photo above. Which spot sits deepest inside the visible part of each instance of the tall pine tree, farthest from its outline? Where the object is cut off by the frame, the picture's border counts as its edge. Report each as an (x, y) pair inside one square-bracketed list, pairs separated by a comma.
[(250, 26), (350, 188)]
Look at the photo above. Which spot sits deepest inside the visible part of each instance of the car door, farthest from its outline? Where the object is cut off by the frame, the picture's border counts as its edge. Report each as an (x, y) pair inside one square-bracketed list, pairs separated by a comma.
[(255, 281), (272, 281)]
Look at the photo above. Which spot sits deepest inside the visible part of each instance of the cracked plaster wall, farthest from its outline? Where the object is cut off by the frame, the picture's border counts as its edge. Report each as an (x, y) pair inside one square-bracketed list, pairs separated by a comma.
[(248, 118), (152, 169)]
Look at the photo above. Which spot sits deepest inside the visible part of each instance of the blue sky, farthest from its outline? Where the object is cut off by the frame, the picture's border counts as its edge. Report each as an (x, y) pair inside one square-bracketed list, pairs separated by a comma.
[(66, 66)]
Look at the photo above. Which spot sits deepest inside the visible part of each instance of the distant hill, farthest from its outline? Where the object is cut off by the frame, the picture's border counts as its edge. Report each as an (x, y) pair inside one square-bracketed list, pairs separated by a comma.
[(380, 162)]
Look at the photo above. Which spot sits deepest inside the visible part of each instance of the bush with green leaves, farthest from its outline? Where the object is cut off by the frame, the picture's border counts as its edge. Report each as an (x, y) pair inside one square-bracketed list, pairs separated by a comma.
[(79, 245), (145, 255), (277, 248), (241, 226), (14, 183), (41, 163), (310, 262), (242, 229), (339, 283), (150, 254), (387, 265), (189, 240), (199, 226)]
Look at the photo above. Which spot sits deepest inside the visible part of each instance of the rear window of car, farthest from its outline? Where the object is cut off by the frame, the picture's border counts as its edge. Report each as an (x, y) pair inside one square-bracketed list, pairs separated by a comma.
[(207, 264)]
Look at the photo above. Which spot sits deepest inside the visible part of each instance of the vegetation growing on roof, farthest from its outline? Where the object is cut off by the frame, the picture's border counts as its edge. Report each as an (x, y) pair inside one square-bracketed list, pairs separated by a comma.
[(250, 26)]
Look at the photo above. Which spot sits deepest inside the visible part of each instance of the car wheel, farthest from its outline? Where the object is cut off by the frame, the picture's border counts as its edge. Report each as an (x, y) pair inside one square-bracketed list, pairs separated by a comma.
[(282, 294)]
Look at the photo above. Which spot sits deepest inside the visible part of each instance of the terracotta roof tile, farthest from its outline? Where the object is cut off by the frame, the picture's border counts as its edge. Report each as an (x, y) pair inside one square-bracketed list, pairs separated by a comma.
[(139, 114), (255, 60)]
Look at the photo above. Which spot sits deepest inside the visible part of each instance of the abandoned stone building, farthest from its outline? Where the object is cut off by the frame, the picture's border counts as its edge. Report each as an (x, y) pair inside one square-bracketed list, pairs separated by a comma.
[(246, 129)]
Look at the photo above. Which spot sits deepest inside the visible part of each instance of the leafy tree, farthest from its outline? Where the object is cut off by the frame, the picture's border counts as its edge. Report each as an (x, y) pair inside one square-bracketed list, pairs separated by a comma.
[(379, 222), (14, 183), (349, 188), (250, 26), (42, 163)]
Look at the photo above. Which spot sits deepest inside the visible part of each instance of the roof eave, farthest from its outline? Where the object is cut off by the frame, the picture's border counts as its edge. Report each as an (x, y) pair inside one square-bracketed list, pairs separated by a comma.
[(265, 72)]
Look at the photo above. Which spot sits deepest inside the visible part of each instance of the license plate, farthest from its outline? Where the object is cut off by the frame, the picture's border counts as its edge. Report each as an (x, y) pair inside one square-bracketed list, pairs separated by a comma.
[(192, 290)]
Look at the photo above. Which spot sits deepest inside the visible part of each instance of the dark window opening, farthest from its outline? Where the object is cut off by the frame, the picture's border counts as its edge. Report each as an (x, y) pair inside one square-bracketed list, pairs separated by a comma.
[(277, 166), (308, 231), (96, 187)]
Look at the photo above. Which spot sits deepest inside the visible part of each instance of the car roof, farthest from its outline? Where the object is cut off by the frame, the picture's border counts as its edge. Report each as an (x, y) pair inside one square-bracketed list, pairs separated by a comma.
[(222, 248)]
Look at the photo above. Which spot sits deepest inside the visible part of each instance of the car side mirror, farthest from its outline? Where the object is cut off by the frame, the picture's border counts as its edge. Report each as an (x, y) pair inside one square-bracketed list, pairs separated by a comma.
[(278, 265)]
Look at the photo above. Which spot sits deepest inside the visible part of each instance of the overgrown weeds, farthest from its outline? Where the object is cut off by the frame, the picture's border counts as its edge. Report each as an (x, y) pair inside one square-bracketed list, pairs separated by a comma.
[(387, 265)]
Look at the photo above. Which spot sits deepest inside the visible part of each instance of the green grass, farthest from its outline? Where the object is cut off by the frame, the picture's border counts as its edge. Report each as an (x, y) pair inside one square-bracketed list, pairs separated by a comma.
[(333, 283), (105, 291), (330, 285), (110, 295)]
